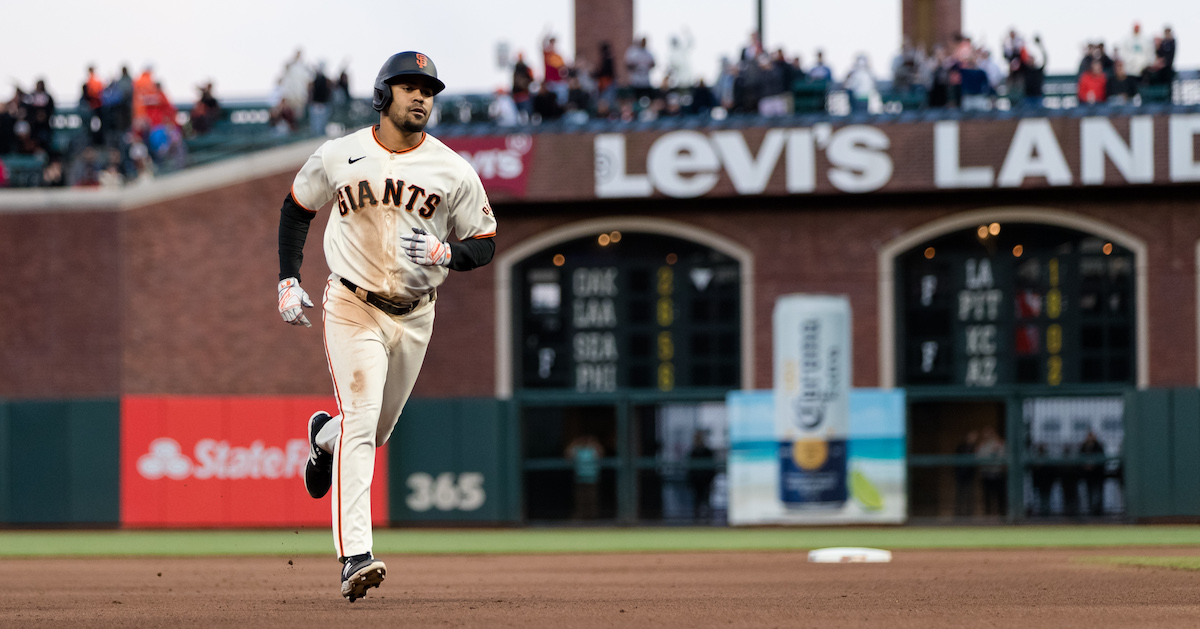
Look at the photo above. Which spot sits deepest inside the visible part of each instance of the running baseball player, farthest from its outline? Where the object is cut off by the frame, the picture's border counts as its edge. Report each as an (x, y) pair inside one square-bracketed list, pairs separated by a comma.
[(398, 193)]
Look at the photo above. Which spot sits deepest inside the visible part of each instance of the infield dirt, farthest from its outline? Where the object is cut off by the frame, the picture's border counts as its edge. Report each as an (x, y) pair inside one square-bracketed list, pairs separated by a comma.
[(1003, 588)]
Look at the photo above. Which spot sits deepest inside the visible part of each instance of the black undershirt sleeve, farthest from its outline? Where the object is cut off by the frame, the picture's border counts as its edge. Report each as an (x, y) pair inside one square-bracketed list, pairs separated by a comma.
[(293, 230), (471, 253)]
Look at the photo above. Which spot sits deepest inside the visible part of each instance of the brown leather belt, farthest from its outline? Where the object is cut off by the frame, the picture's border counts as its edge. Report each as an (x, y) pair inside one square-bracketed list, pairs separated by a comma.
[(393, 308)]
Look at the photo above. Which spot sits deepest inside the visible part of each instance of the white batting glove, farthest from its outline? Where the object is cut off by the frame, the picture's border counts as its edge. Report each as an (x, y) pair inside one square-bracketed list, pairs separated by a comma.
[(424, 249), (291, 299)]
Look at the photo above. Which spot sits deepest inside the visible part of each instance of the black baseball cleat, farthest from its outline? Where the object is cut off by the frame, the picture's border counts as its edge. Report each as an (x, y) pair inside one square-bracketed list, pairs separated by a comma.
[(318, 472), (361, 573)]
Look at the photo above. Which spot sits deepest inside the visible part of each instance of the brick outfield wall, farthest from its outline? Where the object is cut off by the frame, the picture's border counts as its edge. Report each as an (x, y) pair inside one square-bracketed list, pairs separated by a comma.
[(179, 297)]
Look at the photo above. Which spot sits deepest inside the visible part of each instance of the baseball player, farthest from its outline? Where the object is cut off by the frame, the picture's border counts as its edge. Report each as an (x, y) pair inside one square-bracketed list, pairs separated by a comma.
[(398, 194)]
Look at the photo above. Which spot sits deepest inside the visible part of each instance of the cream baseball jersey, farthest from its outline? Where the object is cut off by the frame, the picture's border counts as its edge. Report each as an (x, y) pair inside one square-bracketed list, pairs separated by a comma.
[(382, 194)]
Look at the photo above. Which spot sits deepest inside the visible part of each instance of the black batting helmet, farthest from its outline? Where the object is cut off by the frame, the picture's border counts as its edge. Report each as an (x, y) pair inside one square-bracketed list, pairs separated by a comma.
[(401, 64)]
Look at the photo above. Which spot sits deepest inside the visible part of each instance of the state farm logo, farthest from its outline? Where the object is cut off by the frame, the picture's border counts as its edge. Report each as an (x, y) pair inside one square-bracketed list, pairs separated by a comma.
[(218, 459), (501, 163)]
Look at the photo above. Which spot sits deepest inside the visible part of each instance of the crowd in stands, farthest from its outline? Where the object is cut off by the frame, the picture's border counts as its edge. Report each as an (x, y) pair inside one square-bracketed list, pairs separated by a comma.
[(305, 95), (958, 73), (133, 131)]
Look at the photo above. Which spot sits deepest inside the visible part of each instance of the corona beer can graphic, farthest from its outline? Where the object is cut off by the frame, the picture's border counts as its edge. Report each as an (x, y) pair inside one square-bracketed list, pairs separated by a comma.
[(812, 399)]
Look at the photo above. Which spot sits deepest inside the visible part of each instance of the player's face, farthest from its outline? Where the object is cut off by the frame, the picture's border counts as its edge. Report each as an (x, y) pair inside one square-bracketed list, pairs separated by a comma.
[(412, 101)]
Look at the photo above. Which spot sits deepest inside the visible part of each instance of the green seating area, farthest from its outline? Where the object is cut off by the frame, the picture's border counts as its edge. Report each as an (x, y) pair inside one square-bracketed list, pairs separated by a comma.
[(23, 170), (809, 96)]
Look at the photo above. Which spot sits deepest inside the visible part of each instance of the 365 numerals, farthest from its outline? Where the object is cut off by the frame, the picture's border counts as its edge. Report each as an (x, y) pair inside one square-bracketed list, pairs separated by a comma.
[(445, 492)]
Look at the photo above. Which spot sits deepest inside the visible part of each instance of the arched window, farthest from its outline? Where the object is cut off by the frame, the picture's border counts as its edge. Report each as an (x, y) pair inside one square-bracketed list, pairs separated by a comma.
[(1015, 303), (618, 310)]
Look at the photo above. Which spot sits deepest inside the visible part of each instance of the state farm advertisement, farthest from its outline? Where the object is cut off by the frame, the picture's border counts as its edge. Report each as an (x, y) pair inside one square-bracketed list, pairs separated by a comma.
[(224, 462), (503, 162)]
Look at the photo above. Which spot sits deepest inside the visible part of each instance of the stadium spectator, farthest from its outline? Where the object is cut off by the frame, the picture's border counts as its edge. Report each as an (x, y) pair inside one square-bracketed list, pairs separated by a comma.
[(166, 145), (85, 170), (639, 61), (605, 75), (52, 173), (341, 97), (24, 143), (935, 77), (820, 71), (10, 112), (1093, 84), (159, 109), (775, 85), (522, 78), (996, 75), (754, 49), (1093, 474), (974, 87), (206, 111), (1013, 46), (545, 105), (1042, 477), (1162, 70), (117, 100), (142, 167), (90, 106), (320, 98), (962, 49), (701, 471), (293, 89), (1095, 52), (111, 176), (905, 68), (991, 449), (555, 72), (3, 174), (1122, 88), (584, 452), (1166, 49), (679, 60), (861, 84), (39, 110), (723, 90), (578, 99), (1028, 74), (92, 88), (703, 99), (503, 111), (1136, 51), (143, 91), (282, 119)]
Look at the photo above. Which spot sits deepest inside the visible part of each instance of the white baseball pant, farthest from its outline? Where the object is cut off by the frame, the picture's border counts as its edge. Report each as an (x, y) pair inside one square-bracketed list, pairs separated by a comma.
[(374, 359)]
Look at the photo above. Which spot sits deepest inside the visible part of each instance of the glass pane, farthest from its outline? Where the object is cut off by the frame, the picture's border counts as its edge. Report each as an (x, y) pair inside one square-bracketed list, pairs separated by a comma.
[(682, 449)]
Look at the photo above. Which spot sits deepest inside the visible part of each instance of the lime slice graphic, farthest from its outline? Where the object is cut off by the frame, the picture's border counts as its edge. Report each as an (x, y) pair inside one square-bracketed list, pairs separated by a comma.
[(865, 491)]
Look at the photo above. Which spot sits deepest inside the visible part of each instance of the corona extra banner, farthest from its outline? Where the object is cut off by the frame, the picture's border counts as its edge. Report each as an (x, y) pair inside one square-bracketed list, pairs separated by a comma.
[(766, 489), (224, 461), (812, 450)]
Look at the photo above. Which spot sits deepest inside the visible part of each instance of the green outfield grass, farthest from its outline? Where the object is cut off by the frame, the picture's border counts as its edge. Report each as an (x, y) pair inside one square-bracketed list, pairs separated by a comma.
[(1175, 563), (576, 540)]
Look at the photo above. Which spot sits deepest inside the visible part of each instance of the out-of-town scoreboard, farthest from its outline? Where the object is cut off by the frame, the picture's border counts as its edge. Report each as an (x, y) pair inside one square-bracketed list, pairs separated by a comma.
[(627, 310), (1025, 304)]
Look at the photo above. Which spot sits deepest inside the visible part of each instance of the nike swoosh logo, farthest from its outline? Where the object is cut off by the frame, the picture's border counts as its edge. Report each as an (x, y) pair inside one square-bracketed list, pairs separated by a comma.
[(357, 158)]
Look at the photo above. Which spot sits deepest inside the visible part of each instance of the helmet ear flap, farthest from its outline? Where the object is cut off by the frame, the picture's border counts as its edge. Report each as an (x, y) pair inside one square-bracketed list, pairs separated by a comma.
[(381, 100)]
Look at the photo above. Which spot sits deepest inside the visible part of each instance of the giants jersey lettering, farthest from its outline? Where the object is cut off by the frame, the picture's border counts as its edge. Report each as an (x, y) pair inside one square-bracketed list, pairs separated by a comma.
[(379, 195)]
